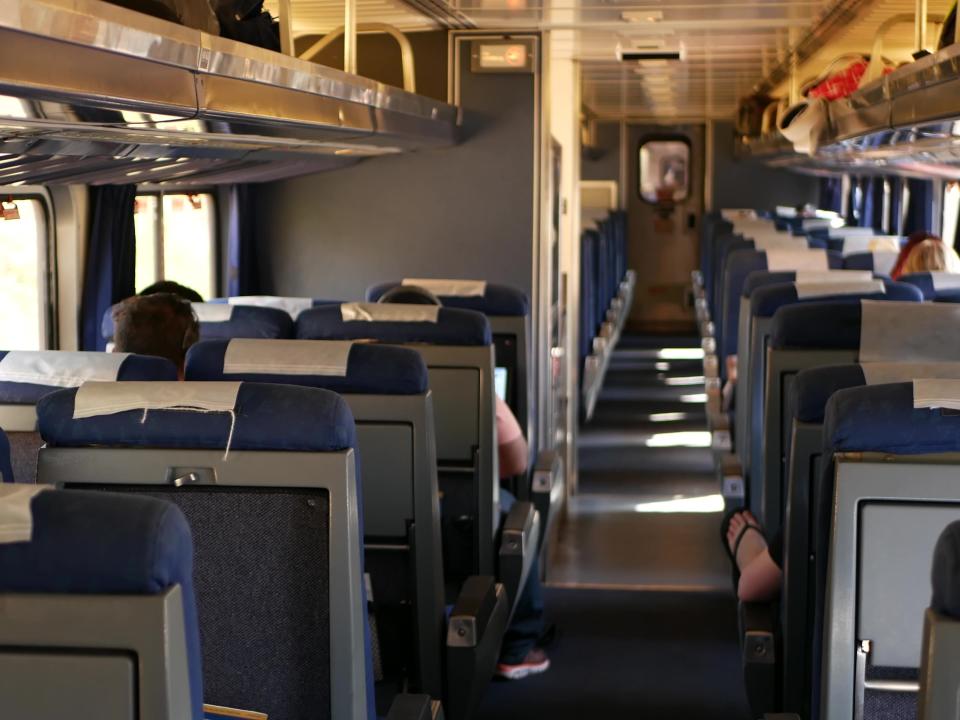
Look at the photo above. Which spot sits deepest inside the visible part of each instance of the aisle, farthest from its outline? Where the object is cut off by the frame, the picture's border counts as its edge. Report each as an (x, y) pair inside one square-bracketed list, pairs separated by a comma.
[(639, 584)]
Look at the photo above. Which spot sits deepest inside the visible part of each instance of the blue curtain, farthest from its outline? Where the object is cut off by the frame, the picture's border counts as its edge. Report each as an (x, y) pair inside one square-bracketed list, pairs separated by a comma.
[(830, 189), (920, 207), (872, 215), (854, 202), (110, 268), (243, 273)]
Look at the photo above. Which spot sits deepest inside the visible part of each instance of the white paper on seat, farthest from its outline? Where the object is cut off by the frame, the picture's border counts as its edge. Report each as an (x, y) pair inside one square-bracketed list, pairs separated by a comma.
[(945, 280), (936, 393), (832, 276), (288, 357), (16, 517), (212, 312), (60, 368), (878, 373), (293, 306), (909, 331), (784, 242), (782, 259), (388, 312), (450, 288), (99, 398), (822, 289)]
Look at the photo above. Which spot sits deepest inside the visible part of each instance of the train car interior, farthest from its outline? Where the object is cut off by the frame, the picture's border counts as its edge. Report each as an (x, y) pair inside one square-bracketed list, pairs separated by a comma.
[(481, 360)]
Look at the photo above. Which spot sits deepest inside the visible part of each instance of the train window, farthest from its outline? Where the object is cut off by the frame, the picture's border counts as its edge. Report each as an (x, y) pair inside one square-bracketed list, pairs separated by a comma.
[(23, 267), (664, 170), (176, 240), (951, 210)]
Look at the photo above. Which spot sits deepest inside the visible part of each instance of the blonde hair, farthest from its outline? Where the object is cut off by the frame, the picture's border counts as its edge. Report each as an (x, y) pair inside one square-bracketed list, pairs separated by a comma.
[(932, 256)]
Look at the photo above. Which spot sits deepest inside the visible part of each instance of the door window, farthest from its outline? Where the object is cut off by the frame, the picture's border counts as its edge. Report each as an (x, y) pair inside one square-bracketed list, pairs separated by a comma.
[(664, 170), (23, 267)]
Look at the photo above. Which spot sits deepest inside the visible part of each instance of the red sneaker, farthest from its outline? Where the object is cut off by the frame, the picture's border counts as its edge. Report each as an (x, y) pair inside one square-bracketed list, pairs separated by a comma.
[(534, 663)]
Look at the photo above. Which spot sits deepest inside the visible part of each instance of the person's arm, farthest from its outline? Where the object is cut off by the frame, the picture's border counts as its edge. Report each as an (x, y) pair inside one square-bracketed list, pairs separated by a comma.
[(512, 451)]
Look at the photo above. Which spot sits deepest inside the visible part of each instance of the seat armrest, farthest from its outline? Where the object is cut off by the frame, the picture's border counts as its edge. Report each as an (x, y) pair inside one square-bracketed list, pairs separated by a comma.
[(759, 655), (548, 493), (474, 634), (408, 706), (518, 548)]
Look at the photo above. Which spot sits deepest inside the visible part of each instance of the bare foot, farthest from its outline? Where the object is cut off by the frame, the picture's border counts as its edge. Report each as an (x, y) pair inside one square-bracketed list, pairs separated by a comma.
[(752, 543)]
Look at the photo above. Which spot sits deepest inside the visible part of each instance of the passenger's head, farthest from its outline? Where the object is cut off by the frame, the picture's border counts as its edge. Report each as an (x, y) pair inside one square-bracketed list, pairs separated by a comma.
[(409, 295), (914, 239), (161, 324), (931, 256), (169, 286)]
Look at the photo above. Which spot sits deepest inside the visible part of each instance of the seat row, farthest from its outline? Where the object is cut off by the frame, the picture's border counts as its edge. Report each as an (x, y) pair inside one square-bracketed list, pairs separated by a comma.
[(840, 431), (418, 423), (606, 295)]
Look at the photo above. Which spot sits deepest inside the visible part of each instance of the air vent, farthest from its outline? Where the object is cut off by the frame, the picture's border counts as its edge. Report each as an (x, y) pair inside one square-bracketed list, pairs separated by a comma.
[(639, 55)]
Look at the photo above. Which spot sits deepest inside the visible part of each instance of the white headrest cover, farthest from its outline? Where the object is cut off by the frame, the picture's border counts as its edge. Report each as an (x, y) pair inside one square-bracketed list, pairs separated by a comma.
[(450, 288), (891, 372), (59, 368), (293, 306), (908, 331), (945, 280), (780, 259), (388, 312), (288, 357), (833, 276), (212, 312), (822, 289), (16, 517), (936, 393), (98, 398)]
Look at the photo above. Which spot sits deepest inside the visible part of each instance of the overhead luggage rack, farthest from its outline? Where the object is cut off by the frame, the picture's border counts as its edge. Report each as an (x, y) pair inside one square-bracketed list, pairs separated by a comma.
[(263, 115)]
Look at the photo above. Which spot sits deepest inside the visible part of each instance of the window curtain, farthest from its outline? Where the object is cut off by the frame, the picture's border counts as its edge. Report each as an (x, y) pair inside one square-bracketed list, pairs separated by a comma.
[(896, 206), (830, 194), (872, 215), (110, 267), (855, 202), (243, 271), (920, 207)]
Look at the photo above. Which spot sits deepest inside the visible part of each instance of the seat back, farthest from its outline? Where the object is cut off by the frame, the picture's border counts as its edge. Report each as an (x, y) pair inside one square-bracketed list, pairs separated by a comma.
[(891, 485), (97, 613), (26, 376), (940, 665), (387, 391), (456, 346), (934, 285), (293, 306), (277, 531), (222, 321), (877, 261)]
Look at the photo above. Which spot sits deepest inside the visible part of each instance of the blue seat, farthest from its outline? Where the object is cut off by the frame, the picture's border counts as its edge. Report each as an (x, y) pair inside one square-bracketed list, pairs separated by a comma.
[(880, 262), (496, 301), (276, 518), (293, 306), (219, 321), (103, 544), (935, 285), (453, 327)]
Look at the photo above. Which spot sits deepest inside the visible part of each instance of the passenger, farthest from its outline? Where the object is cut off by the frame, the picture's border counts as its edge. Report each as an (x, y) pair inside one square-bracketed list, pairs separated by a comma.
[(759, 564), (915, 239), (931, 256), (169, 286), (520, 656), (162, 324)]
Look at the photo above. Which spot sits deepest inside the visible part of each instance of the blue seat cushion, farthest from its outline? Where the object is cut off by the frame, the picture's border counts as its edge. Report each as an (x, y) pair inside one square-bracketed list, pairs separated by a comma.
[(268, 417), (770, 298), (825, 325), (135, 367), (813, 388), (945, 575), (246, 321), (453, 327), (371, 369), (497, 300), (6, 468), (107, 543)]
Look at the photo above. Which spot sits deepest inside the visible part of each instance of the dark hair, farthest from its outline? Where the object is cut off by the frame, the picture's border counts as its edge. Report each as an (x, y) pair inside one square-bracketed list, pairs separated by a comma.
[(409, 295), (169, 286), (161, 324)]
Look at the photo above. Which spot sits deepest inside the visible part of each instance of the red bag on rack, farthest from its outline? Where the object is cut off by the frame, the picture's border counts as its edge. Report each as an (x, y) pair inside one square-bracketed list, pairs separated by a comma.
[(842, 83)]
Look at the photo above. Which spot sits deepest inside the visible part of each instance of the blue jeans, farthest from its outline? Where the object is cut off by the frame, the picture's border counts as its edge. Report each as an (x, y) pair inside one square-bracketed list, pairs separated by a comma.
[(526, 627)]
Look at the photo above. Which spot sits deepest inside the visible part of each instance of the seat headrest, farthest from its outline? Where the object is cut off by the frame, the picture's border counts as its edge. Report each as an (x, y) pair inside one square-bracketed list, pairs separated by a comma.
[(767, 300), (26, 376), (878, 261), (882, 418), (933, 284), (293, 306), (106, 543), (762, 278), (222, 321), (945, 574), (453, 327), (267, 417), (495, 301), (370, 368)]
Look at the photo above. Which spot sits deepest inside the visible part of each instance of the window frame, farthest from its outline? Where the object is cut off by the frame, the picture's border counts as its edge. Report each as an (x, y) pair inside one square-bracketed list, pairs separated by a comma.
[(664, 137), (49, 292), (216, 257)]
